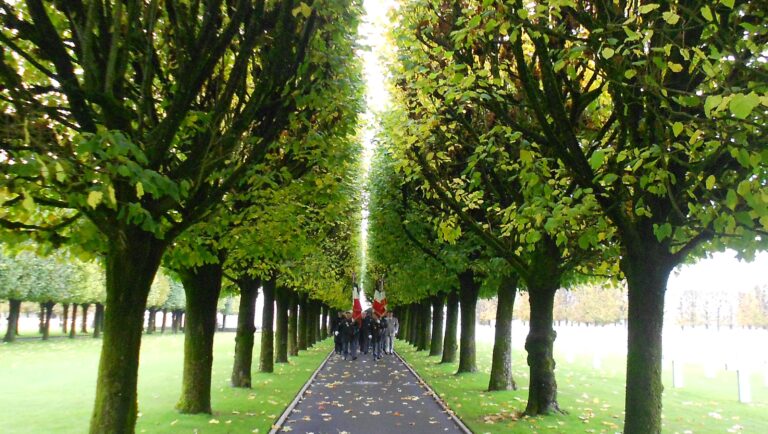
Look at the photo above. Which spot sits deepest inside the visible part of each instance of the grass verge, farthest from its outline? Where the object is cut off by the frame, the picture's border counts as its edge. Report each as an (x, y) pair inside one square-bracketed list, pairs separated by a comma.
[(593, 399), (48, 387)]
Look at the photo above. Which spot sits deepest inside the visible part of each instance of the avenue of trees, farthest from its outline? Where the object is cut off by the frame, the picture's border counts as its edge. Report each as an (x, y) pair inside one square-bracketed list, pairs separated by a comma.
[(538, 146), (216, 138)]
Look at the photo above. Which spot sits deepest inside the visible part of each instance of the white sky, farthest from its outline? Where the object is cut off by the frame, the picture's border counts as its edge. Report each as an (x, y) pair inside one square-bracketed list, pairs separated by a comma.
[(722, 271)]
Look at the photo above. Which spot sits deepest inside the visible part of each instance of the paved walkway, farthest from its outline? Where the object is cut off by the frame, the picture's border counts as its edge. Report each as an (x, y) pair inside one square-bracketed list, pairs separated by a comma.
[(368, 397)]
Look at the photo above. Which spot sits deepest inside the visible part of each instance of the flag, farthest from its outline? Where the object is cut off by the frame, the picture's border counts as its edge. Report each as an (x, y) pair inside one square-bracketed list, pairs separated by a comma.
[(357, 308), (377, 307), (380, 300)]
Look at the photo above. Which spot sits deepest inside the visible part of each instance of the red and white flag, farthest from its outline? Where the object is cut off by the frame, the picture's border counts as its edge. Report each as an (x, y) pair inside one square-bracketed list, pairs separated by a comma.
[(380, 300), (357, 308)]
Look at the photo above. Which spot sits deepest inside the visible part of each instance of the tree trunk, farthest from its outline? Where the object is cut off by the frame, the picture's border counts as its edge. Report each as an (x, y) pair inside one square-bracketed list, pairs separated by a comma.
[(175, 321), (281, 330), (162, 325), (41, 325), (241, 369), (48, 307), (84, 323), (202, 286), (469, 290), (267, 356), (316, 323), (647, 272), (451, 324), (132, 261), (426, 325), (413, 325), (542, 391), (436, 346), (323, 322), (501, 366), (293, 324), (13, 320), (98, 320), (73, 325), (151, 320), (64, 317), (303, 321)]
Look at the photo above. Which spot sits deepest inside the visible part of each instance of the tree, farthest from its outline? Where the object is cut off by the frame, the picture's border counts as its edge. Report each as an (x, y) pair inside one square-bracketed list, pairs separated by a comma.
[(145, 138)]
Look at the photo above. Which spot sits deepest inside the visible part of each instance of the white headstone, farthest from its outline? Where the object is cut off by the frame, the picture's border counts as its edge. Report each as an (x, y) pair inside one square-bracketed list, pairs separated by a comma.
[(745, 392), (677, 374)]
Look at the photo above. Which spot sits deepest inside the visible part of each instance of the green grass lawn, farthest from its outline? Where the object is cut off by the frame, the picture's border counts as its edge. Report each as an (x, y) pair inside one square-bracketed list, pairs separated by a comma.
[(48, 387), (593, 399)]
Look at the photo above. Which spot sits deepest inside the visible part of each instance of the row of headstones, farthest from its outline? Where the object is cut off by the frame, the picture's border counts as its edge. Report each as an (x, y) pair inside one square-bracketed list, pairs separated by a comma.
[(710, 371)]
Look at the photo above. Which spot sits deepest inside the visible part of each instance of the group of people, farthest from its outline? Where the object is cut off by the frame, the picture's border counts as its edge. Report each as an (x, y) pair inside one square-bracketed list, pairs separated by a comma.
[(371, 333)]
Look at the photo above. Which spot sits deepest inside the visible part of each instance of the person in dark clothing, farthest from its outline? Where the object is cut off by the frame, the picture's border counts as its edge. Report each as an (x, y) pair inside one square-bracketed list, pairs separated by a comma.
[(337, 338), (365, 332), (375, 336), (349, 335), (384, 328)]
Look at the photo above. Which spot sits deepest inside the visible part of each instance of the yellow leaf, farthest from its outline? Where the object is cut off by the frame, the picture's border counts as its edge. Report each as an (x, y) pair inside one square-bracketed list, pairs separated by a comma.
[(139, 190), (675, 67), (94, 198)]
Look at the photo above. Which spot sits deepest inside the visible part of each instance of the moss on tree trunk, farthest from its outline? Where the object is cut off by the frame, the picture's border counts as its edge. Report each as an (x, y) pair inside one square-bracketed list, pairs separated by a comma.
[(13, 320), (542, 390), (281, 330), (501, 365), (647, 268), (451, 325), (436, 346), (244, 337), (468, 293), (293, 324), (132, 261), (202, 286), (267, 355)]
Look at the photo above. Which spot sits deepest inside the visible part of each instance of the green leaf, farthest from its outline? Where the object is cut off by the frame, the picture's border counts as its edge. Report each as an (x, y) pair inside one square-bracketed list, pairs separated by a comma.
[(608, 52), (94, 198), (675, 67), (526, 156), (61, 175), (742, 105), (727, 3), (710, 182), (677, 128), (111, 195), (597, 158), (303, 9), (629, 74), (28, 203), (731, 199), (644, 9), (671, 18), (662, 231), (706, 12), (139, 190), (712, 102)]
